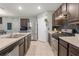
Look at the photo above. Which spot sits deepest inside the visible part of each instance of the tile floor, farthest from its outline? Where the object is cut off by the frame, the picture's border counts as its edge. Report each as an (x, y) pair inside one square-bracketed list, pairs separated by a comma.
[(39, 48)]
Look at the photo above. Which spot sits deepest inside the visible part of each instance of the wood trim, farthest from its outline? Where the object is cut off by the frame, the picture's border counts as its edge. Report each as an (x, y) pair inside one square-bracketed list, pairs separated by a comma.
[(73, 21)]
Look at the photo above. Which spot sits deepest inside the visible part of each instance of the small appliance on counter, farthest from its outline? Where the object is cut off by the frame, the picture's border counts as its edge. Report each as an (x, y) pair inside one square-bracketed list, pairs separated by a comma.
[(57, 28)]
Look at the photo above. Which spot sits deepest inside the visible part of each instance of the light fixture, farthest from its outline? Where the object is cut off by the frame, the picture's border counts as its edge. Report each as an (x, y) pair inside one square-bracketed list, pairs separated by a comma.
[(39, 7), (20, 8)]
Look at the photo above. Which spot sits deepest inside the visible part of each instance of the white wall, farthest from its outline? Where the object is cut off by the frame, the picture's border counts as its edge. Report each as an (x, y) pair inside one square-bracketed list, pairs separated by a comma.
[(15, 23), (34, 27), (49, 18), (42, 29)]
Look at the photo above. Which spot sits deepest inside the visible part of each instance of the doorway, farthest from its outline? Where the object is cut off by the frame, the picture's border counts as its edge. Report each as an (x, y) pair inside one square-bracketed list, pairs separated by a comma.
[(24, 24)]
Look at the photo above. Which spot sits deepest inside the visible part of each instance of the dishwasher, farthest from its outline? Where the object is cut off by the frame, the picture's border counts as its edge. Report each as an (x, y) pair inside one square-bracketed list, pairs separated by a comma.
[(14, 52), (54, 45)]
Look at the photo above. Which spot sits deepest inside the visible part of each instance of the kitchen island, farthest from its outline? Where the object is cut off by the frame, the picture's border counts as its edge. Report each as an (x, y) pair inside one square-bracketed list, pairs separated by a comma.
[(17, 42)]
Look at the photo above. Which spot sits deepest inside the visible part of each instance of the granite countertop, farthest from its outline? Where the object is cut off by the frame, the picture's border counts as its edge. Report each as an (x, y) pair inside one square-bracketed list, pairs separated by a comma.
[(5, 42), (72, 40)]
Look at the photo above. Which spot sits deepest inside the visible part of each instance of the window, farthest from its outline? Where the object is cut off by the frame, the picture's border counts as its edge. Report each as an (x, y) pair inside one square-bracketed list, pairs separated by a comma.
[(9, 26)]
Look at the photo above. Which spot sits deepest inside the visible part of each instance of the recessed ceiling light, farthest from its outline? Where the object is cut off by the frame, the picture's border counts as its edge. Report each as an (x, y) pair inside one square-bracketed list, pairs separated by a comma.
[(20, 8), (39, 7)]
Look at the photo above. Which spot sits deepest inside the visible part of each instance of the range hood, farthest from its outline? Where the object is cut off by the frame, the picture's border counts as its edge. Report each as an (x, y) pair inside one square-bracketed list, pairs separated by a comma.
[(60, 17), (63, 16)]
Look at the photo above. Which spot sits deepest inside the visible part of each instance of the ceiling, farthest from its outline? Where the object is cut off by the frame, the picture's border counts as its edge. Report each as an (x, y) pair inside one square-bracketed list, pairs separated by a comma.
[(28, 9)]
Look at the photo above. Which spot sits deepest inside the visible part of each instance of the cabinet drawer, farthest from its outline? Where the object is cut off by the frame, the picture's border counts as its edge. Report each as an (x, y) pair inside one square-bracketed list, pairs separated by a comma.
[(63, 43), (74, 50)]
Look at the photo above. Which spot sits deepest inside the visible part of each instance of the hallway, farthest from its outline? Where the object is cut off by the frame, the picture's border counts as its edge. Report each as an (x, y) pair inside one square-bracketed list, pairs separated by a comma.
[(39, 48)]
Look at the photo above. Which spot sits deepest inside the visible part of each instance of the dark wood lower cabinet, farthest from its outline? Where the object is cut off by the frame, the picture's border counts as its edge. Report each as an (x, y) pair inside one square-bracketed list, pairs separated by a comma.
[(28, 41), (21, 49), (62, 51), (67, 49), (62, 48), (73, 50), (23, 44)]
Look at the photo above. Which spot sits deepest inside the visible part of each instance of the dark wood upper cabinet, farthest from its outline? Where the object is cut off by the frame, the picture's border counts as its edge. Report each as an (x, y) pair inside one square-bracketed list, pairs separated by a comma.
[(59, 10), (53, 19), (73, 9), (63, 7)]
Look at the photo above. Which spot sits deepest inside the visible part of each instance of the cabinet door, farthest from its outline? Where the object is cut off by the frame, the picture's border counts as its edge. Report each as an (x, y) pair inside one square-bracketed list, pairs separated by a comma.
[(54, 45), (21, 49), (64, 8), (59, 11), (74, 50), (62, 51), (53, 20), (49, 38), (52, 42), (73, 9), (28, 41), (25, 45)]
